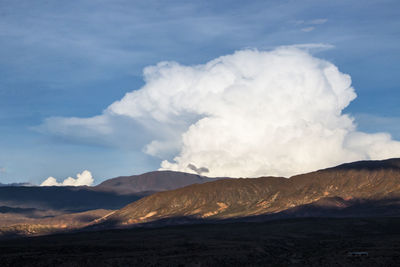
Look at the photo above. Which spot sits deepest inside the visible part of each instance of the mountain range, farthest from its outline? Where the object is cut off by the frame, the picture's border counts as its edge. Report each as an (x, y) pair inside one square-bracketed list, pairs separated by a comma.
[(348, 187), (358, 189), (27, 209)]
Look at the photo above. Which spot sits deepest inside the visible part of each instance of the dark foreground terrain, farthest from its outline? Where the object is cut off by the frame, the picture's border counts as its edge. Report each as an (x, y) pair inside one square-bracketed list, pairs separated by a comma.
[(292, 242)]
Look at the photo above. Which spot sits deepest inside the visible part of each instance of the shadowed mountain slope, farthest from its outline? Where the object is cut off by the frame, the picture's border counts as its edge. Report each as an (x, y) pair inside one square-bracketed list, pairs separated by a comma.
[(151, 182), (62, 198), (235, 198)]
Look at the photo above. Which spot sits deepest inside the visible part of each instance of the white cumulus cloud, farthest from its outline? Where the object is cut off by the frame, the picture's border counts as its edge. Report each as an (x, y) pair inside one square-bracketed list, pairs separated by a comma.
[(247, 114), (84, 178)]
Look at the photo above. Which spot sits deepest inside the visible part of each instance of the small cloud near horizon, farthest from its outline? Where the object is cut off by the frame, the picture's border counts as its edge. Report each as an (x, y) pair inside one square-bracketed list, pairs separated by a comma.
[(84, 178)]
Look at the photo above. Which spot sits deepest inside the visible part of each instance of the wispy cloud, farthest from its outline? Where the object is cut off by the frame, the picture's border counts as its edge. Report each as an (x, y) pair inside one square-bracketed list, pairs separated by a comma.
[(311, 24), (113, 39), (308, 29), (317, 21)]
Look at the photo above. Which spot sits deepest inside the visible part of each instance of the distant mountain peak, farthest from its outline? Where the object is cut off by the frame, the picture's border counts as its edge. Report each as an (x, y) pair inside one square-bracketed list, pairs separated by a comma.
[(393, 163), (152, 181)]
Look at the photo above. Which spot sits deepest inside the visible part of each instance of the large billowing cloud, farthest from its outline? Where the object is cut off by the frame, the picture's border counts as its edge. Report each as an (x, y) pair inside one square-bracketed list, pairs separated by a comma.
[(84, 178), (248, 114)]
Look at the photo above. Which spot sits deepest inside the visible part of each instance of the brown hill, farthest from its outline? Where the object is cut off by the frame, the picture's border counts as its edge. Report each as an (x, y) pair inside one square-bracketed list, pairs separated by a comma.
[(15, 223), (152, 181), (235, 198)]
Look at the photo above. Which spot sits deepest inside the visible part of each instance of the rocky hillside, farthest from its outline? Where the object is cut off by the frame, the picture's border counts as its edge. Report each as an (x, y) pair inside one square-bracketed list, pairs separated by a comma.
[(17, 224), (235, 198)]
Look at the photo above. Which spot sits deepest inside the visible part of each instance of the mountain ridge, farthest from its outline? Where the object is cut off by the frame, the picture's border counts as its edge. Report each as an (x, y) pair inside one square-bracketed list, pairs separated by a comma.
[(235, 198), (364, 188)]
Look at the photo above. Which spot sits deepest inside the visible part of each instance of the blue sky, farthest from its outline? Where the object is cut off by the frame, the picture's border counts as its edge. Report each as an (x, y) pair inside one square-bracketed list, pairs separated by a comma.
[(74, 58)]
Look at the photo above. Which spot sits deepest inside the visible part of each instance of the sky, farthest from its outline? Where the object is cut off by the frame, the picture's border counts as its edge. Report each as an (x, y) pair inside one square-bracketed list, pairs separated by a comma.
[(64, 61)]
